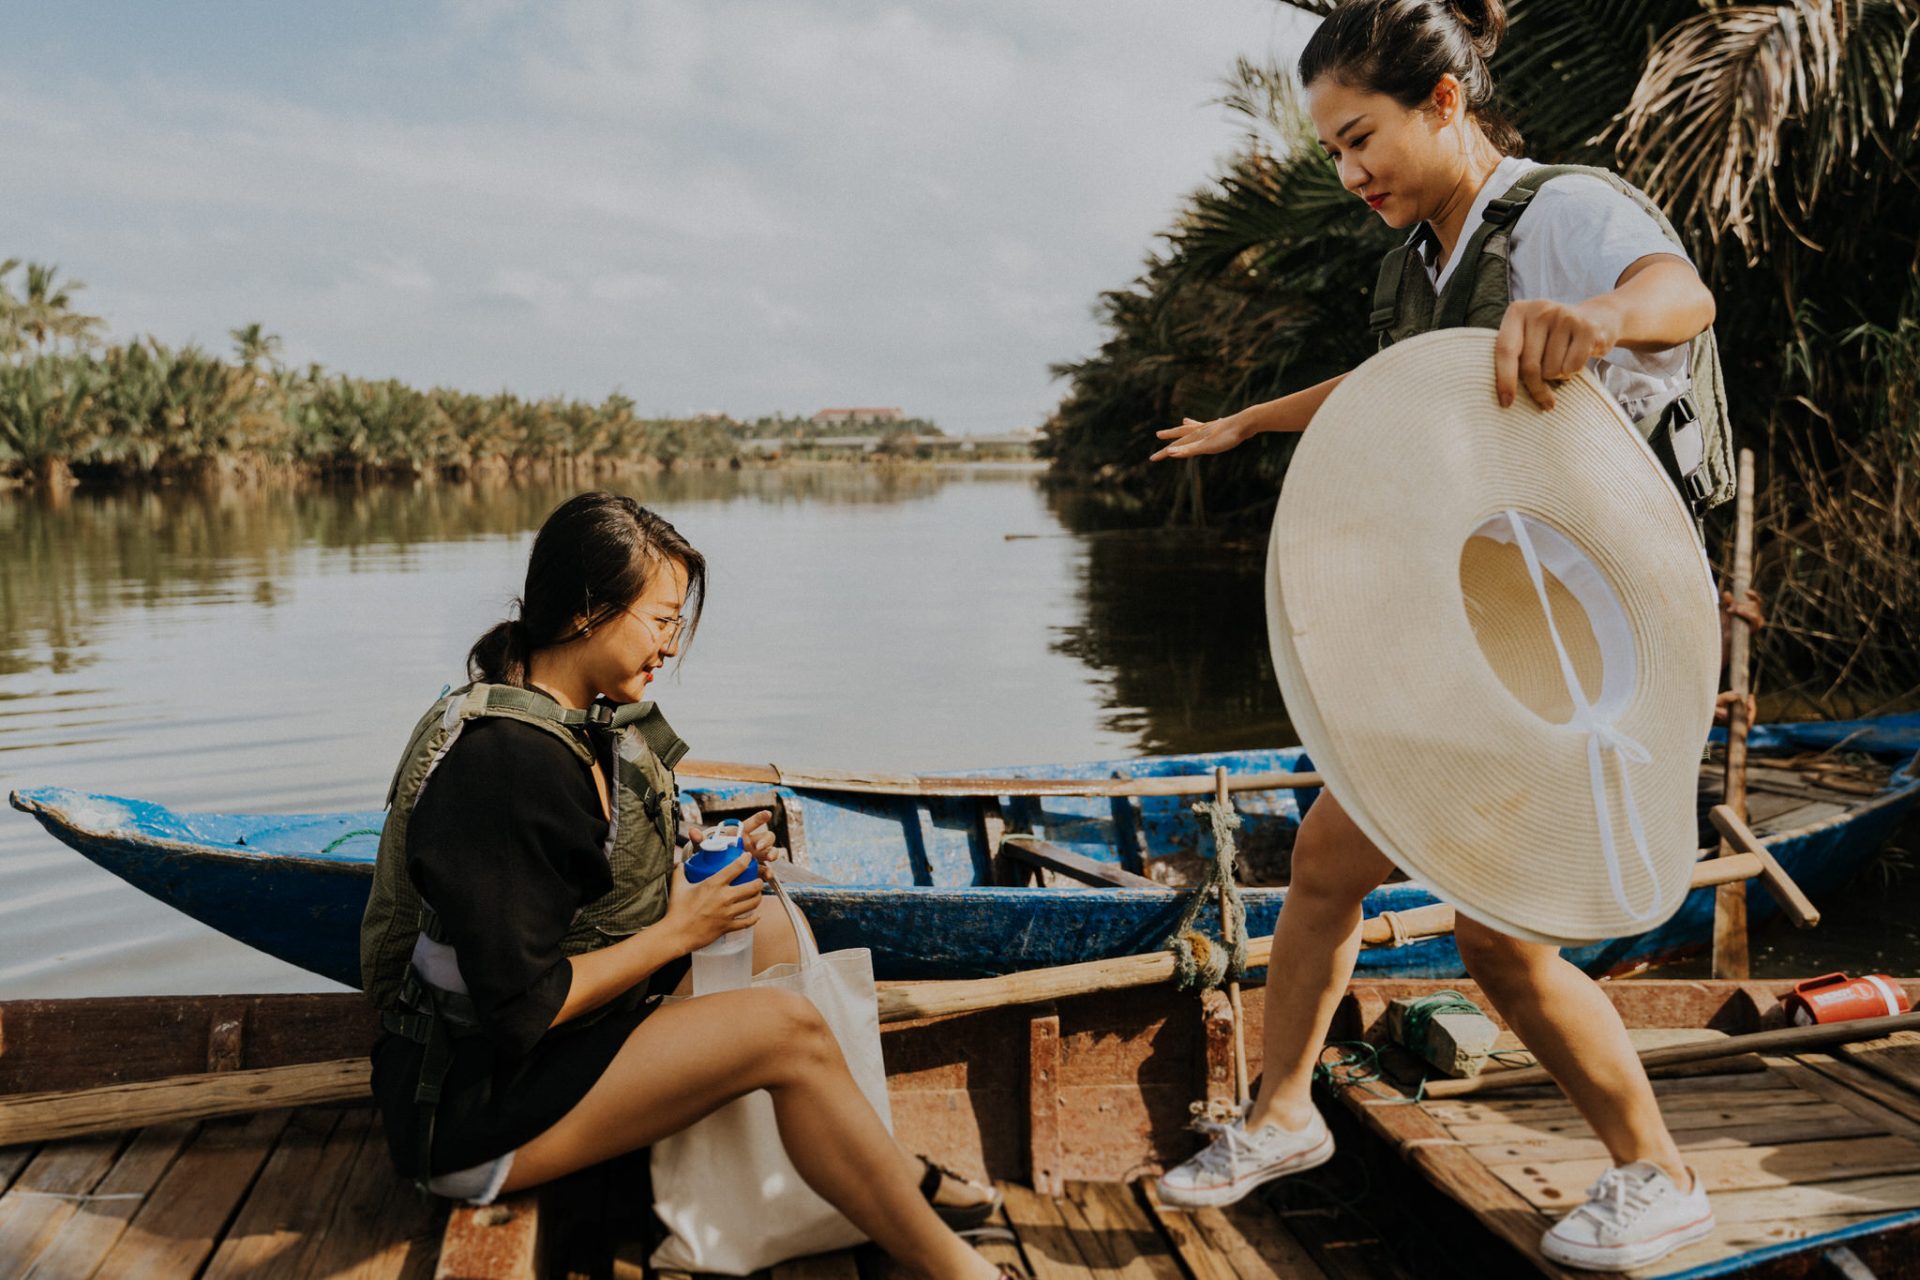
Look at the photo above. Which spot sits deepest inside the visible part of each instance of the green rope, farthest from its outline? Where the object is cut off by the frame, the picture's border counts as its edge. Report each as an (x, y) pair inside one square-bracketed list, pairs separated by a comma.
[(364, 831), (1422, 1012), (1200, 960)]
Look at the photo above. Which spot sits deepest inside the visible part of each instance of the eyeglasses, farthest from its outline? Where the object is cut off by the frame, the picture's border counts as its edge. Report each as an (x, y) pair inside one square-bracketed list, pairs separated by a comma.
[(676, 625)]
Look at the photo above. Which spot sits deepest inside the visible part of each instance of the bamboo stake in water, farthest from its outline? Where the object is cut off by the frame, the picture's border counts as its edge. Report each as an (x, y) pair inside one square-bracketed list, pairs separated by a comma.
[(1730, 956), (1241, 1090)]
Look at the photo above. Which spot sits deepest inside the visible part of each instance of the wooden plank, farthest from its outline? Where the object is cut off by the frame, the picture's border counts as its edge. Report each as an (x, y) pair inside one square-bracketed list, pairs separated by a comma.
[(1115, 1224), (1792, 1109), (1253, 1243), (50, 1045), (1882, 1194), (1691, 1091), (43, 1198), (292, 1202), (13, 1160), (1897, 1057), (381, 1228), (1866, 1083), (1005, 1254), (1044, 1238), (1425, 1144), (838, 1265), (89, 1236), (1043, 1103), (1562, 1184), (37, 1117), (1344, 1248), (1047, 856), (500, 1241), (1844, 1124), (1784, 1040), (177, 1227), (866, 782), (1843, 1094), (1205, 1256)]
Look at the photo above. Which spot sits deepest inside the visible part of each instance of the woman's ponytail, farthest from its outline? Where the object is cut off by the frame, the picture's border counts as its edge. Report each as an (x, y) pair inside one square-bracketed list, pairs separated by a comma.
[(500, 656)]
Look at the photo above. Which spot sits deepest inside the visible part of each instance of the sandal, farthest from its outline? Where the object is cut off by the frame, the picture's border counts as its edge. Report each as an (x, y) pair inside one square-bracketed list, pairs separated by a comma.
[(960, 1217)]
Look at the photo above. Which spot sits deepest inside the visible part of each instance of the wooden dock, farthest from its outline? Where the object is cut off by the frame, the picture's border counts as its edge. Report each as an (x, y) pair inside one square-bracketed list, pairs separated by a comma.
[(1813, 1159)]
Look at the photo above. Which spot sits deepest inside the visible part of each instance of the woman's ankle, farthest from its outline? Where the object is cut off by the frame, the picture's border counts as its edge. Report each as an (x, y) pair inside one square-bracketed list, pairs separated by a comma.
[(1287, 1112)]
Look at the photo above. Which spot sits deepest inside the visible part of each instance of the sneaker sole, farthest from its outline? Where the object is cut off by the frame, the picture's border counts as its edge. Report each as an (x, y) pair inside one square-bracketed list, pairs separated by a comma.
[(1237, 1190), (1627, 1257)]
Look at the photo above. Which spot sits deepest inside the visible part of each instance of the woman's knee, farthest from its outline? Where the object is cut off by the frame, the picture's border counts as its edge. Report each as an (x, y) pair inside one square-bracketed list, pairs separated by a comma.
[(1335, 866), (792, 1026), (1499, 961)]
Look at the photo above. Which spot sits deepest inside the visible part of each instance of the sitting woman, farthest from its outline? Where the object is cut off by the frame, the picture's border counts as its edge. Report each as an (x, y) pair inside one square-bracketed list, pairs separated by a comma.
[(528, 915)]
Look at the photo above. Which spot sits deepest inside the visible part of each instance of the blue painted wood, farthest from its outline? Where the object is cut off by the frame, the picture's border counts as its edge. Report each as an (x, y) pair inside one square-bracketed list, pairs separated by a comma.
[(912, 873)]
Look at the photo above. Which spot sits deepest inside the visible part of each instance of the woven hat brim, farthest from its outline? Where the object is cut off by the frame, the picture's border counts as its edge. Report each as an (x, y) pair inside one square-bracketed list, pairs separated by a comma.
[(1462, 785)]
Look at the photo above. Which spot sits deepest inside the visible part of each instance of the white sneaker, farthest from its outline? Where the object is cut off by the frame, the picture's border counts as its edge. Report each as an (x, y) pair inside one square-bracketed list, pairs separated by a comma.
[(1237, 1161), (1633, 1215)]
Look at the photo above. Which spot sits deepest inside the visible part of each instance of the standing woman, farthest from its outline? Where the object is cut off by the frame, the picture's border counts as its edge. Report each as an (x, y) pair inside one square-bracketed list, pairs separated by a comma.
[(1400, 95), (527, 916)]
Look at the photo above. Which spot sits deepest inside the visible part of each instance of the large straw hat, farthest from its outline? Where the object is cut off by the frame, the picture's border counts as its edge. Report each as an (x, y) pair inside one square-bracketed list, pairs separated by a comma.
[(1421, 670)]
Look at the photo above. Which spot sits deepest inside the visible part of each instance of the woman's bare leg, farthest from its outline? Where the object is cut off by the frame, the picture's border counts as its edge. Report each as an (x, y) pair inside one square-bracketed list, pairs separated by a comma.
[(1315, 943), (1574, 1031), (688, 1059)]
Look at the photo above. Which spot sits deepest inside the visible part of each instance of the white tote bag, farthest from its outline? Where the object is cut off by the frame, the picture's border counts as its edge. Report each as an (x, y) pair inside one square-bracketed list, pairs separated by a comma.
[(729, 1169)]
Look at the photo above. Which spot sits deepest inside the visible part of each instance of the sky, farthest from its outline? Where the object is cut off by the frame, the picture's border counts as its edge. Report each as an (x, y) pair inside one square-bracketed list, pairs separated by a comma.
[(738, 206)]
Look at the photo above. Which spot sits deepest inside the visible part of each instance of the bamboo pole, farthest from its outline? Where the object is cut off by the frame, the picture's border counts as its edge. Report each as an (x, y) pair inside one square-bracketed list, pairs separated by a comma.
[(906, 1002), (1797, 905), (43, 1117), (907, 784), (1240, 1083), (1785, 1040), (1730, 954)]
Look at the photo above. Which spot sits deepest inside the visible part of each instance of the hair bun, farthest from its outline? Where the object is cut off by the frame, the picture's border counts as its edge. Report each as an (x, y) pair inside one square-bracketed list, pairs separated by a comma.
[(1485, 22)]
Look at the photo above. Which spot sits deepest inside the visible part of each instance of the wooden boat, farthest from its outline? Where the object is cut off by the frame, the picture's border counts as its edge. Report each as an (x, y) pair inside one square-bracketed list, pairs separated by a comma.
[(136, 1139), (926, 871)]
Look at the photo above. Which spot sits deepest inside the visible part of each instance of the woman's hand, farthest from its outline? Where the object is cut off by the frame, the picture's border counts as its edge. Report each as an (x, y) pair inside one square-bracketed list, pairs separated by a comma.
[(1542, 342), (756, 837), (699, 913), (1193, 437)]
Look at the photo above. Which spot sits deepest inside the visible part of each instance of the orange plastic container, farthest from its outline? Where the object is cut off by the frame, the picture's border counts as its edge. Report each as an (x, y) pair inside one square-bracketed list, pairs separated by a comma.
[(1837, 998)]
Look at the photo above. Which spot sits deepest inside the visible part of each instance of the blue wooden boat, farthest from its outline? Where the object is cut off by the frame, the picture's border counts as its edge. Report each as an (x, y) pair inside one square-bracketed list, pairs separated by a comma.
[(920, 877)]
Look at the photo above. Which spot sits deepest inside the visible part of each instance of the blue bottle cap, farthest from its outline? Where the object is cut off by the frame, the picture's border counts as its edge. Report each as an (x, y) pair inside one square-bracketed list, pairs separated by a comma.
[(716, 853)]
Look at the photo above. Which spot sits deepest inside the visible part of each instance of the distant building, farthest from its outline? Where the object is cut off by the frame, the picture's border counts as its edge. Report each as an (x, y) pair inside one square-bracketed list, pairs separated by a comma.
[(852, 417)]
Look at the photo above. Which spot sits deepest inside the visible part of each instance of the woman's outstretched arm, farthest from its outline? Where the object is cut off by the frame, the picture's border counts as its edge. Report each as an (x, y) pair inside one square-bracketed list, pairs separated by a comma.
[(1288, 413)]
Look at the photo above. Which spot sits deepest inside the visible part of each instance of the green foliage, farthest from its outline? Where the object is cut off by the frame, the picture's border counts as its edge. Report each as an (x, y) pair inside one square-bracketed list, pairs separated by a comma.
[(147, 410), (1784, 139)]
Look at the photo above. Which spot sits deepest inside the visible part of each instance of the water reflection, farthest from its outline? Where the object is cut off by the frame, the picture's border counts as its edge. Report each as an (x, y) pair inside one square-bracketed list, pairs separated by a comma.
[(1176, 620)]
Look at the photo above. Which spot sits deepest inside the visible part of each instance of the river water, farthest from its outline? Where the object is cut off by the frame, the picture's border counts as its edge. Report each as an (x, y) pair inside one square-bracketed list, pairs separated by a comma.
[(268, 651)]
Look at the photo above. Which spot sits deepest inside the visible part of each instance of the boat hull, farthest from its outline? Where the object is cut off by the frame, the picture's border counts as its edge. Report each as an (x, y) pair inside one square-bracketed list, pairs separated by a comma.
[(910, 870)]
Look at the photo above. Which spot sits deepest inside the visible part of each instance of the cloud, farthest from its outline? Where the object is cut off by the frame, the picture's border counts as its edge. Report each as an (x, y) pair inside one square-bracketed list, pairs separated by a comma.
[(712, 203)]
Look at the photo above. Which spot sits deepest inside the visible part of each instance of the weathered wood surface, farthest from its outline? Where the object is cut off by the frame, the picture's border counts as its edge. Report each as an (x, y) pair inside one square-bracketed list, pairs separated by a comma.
[(38, 1117), (500, 1241), (1043, 855), (47, 1044)]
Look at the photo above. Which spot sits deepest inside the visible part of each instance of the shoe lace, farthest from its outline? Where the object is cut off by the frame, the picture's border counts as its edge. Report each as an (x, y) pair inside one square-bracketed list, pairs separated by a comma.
[(1224, 1152), (1617, 1198)]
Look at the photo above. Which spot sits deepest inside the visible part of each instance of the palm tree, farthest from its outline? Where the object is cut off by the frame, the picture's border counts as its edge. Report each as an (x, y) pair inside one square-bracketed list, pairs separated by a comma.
[(45, 312)]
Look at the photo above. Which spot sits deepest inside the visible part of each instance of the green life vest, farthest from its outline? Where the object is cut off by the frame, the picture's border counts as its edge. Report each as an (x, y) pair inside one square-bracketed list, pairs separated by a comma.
[(641, 834), (1693, 438)]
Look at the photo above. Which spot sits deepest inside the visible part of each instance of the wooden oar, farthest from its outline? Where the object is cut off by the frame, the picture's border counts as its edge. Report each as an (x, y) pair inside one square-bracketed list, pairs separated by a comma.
[(908, 1001), (908, 784), (1786, 1040), (1730, 957)]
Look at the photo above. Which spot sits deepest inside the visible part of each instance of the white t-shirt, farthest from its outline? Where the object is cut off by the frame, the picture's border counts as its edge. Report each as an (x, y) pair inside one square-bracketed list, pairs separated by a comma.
[(1571, 244)]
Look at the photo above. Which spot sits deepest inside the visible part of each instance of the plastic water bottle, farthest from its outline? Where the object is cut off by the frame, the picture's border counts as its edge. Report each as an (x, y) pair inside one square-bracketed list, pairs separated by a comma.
[(726, 963)]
